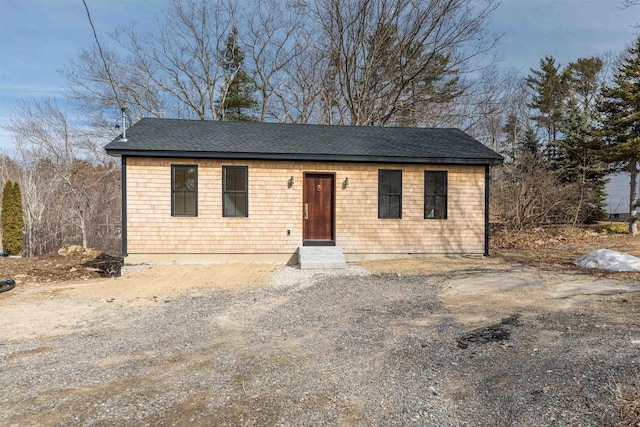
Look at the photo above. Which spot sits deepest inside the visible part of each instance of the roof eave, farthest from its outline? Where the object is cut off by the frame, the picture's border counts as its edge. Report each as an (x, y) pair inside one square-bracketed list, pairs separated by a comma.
[(305, 157)]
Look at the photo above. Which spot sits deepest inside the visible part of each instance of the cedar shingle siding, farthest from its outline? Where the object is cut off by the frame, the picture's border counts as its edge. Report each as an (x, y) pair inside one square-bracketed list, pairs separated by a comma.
[(275, 208)]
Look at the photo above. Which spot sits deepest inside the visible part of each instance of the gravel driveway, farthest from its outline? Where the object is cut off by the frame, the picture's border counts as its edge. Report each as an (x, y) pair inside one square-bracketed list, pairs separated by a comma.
[(347, 348)]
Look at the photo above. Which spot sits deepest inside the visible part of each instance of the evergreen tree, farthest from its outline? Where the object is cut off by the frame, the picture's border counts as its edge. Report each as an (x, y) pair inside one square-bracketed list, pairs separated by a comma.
[(549, 89), (512, 130), (583, 78), (579, 161), (12, 218), (239, 90), (4, 213), (620, 107), (529, 142), (19, 218), (578, 150)]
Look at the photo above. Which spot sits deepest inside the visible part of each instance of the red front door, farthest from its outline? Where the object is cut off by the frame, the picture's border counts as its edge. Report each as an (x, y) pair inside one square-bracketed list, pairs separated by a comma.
[(318, 208)]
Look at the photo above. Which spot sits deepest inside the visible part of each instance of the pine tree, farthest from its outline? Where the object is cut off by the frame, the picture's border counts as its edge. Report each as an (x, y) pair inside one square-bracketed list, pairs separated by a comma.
[(549, 89), (529, 142), (620, 107), (239, 90), (583, 77), (579, 161), (512, 130), (577, 156), (12, 218)]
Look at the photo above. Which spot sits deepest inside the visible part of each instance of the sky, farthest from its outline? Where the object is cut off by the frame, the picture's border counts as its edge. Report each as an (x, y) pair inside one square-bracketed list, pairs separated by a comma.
[(39, 37)]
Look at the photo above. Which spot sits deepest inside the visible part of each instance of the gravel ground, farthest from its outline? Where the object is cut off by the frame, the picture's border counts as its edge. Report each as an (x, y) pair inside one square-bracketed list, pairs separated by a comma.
[(346, 348)]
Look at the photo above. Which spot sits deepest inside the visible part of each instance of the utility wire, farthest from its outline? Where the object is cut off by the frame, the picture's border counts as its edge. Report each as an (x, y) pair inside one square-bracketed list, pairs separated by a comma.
[(95, 36)]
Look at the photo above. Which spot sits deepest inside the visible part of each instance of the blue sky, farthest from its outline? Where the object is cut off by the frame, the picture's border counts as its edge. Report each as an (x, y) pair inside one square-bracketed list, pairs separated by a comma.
[(38, 37)]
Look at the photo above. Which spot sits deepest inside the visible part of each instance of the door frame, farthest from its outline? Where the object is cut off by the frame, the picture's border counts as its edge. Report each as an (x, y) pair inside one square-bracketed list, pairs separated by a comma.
[(331, 242)]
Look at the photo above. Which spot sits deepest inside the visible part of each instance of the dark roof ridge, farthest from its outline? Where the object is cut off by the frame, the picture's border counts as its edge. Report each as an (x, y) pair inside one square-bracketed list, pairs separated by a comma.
[(153, 136), (299, 124)]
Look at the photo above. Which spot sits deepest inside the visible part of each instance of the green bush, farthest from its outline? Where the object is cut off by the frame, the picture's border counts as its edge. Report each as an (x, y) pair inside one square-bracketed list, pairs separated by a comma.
[(614, 228), (12, 218)]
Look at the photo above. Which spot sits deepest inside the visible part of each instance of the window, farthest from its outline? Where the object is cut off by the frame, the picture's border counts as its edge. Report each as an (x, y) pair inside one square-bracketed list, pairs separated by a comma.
[(184, 190), (389, 193), (435, 195), (234, 191)]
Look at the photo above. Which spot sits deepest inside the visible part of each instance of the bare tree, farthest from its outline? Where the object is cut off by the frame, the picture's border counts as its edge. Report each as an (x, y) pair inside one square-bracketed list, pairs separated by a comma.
[(628, 3), (526, 193), (359, 62), (493, 110), (390, 59), (8, 168), (298, 98), (273, 39), (63, 174), (173, 72)]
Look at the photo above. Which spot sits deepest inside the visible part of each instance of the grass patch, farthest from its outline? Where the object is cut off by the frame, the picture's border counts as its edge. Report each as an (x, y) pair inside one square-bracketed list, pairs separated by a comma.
[(613, 228), (557, 247), (626, 401)]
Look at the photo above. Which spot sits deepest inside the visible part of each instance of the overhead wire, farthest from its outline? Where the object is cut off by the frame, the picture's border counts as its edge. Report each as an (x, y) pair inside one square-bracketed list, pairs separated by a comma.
[(104, 61)]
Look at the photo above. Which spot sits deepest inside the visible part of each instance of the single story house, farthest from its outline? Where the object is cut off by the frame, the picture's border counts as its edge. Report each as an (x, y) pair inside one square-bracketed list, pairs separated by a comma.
[(216, 191), (619, 217)]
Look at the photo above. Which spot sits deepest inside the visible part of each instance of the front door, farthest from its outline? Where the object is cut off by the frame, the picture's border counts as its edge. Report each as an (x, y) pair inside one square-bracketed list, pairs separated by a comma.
[(318, 209)]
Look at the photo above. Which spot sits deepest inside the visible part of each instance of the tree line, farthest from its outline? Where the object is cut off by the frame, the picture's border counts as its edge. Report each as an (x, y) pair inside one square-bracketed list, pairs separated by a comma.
[(351, 62), (590, 129), (70, 188)]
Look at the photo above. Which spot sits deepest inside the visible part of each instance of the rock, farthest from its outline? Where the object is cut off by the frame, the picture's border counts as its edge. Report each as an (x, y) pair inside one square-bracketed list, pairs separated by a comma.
[(62, 252), (72, 269), (74, 249), (91, 252)]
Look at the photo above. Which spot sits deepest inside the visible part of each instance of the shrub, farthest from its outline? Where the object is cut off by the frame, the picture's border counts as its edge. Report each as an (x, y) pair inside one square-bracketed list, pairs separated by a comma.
[(528, 194), (12, 218), (618, 228)]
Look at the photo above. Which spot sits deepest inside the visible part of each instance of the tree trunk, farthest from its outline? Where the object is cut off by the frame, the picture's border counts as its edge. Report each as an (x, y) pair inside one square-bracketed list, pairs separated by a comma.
[(633, 197), (83, 229), (582, 185)]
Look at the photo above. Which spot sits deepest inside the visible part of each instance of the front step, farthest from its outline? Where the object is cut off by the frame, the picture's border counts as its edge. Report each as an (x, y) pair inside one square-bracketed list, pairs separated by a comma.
[(321, 257)]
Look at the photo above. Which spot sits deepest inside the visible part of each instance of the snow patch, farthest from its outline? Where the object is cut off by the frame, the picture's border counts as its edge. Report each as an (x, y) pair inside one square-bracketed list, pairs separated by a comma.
[(606, 259)]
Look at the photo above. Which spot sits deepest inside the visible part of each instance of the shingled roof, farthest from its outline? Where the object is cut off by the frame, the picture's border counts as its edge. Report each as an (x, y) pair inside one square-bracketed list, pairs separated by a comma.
[(152, 137)]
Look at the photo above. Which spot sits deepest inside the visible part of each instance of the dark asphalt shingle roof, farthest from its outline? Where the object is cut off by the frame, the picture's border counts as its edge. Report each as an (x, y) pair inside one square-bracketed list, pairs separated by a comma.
[(251, 140)]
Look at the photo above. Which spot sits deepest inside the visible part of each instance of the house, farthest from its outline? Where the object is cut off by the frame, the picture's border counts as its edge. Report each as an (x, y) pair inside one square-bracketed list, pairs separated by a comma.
[(214, 191), (619, 217)]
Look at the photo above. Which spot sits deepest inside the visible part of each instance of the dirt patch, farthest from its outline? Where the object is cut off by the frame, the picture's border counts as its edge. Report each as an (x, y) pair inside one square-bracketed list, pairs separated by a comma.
[(550, 248), (53, 268), (69, 305), (497, 333), (170, 281), (436, 265), (556, 248)]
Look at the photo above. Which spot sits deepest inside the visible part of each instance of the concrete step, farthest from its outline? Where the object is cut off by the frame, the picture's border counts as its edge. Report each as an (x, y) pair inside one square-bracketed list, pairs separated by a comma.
[(321, 257)]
